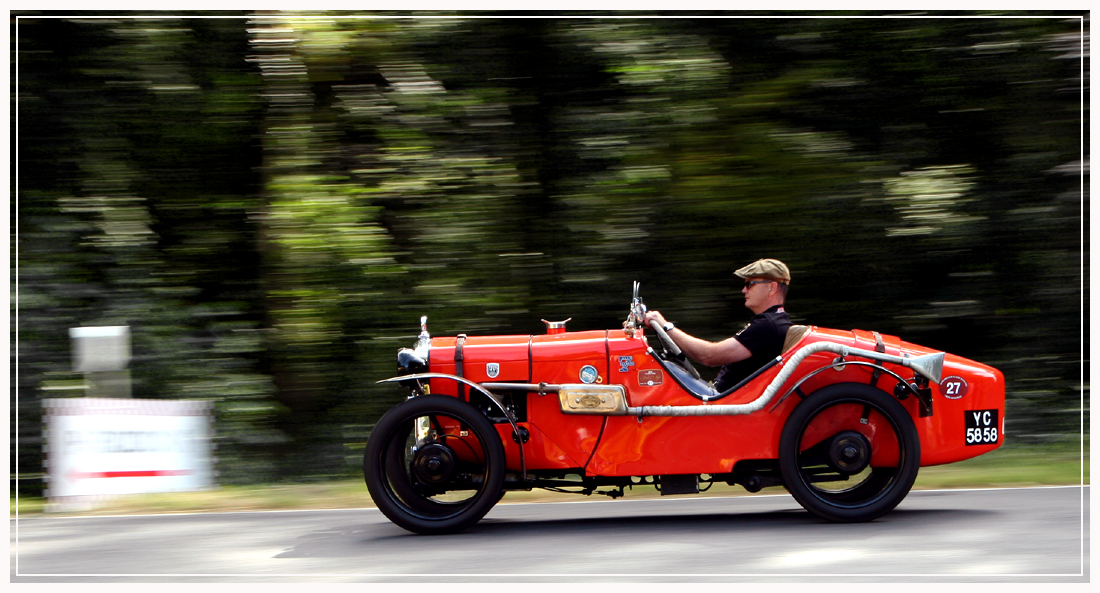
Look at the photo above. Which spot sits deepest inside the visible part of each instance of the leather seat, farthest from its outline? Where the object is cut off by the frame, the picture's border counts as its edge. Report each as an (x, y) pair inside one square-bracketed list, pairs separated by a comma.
[(795, 333)]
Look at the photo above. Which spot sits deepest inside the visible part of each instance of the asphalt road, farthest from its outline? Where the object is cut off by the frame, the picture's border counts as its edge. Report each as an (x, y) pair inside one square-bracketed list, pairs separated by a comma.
[(1006, 535)]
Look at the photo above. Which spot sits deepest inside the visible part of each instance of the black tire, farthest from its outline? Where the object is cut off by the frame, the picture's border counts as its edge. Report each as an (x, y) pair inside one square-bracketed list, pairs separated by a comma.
[(455, 502), (875, 490)]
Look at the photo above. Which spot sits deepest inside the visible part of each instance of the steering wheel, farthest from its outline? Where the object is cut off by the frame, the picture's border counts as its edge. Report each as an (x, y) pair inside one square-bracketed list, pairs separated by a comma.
[(672, 352)]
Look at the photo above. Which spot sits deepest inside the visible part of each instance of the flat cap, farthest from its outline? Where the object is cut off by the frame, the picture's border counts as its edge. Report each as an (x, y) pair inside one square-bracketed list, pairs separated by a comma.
[(766, 268)]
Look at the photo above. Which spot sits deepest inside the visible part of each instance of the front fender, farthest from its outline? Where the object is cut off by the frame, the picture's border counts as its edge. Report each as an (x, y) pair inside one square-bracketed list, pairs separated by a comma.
[(516, 434)]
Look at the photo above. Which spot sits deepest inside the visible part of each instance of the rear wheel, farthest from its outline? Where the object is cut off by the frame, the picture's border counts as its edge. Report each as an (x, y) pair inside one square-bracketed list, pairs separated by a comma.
[(849, 453), (434, 464)]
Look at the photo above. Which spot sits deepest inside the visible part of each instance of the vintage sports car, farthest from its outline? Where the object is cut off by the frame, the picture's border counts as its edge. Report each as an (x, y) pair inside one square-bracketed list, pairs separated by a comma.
[(842, 419)]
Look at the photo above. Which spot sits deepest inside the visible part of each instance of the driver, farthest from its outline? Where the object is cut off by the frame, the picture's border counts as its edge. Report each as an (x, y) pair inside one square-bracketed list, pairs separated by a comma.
[(765, 291)]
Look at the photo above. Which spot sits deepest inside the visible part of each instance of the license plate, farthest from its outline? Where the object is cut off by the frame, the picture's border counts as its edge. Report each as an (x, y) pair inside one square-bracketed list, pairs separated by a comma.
[(983, 427)]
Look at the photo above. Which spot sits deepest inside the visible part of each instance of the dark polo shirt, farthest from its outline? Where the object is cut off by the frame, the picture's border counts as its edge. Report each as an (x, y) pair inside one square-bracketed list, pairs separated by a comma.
[(763, 336)]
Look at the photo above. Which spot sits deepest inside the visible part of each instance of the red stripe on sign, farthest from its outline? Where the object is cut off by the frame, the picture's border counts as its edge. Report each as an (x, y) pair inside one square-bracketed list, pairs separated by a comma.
[(132, 474)]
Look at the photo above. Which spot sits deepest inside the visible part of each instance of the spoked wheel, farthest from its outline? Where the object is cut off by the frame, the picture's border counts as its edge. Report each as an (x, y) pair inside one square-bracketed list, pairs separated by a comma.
[(434, 464), (849, 453)]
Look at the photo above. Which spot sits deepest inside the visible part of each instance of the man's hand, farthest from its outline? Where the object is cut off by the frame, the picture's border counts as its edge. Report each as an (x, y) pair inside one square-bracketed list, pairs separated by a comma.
[(651, 316)]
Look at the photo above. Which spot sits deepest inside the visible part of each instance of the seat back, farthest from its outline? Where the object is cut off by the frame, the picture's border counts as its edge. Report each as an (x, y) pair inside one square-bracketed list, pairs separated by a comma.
[(795, 333)]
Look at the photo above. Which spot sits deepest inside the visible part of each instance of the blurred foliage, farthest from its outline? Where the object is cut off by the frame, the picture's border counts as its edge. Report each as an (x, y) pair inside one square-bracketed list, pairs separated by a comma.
[(270, 201)]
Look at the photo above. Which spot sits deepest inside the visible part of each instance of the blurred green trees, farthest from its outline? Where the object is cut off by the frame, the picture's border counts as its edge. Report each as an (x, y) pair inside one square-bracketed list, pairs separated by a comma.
[(270, 201)]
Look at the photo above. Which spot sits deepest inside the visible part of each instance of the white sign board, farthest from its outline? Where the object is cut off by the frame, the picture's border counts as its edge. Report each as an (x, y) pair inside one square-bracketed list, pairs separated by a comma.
[(107, 446)]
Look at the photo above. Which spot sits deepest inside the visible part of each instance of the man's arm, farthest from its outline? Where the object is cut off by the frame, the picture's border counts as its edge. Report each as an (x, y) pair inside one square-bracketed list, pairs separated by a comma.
[(708, 353)]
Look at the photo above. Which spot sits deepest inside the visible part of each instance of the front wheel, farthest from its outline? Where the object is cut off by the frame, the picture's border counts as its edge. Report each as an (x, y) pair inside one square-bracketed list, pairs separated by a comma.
[(849, 453), (434, 464)]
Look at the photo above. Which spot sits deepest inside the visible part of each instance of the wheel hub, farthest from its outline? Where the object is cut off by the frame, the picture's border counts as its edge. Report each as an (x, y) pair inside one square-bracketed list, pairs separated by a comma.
[(849, 452), (434, 463)]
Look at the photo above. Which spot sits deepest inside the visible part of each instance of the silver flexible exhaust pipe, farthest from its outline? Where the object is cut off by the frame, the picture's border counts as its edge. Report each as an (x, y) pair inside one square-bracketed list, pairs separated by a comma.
[(929, 366)]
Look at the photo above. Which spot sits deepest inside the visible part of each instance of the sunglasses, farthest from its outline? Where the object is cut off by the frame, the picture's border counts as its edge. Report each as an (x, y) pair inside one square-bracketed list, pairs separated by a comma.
[(749, 283)]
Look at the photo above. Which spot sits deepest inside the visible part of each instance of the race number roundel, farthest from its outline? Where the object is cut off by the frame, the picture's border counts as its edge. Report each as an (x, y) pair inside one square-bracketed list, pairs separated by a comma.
[(954, 387)]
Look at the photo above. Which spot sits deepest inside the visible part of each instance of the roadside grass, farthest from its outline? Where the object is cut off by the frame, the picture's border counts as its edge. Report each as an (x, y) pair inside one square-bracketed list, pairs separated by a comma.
[(1015, 466), (1011, 466)]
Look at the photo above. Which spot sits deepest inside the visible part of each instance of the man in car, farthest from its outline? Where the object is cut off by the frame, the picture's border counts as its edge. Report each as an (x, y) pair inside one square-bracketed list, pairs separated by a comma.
[(765, 291)]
